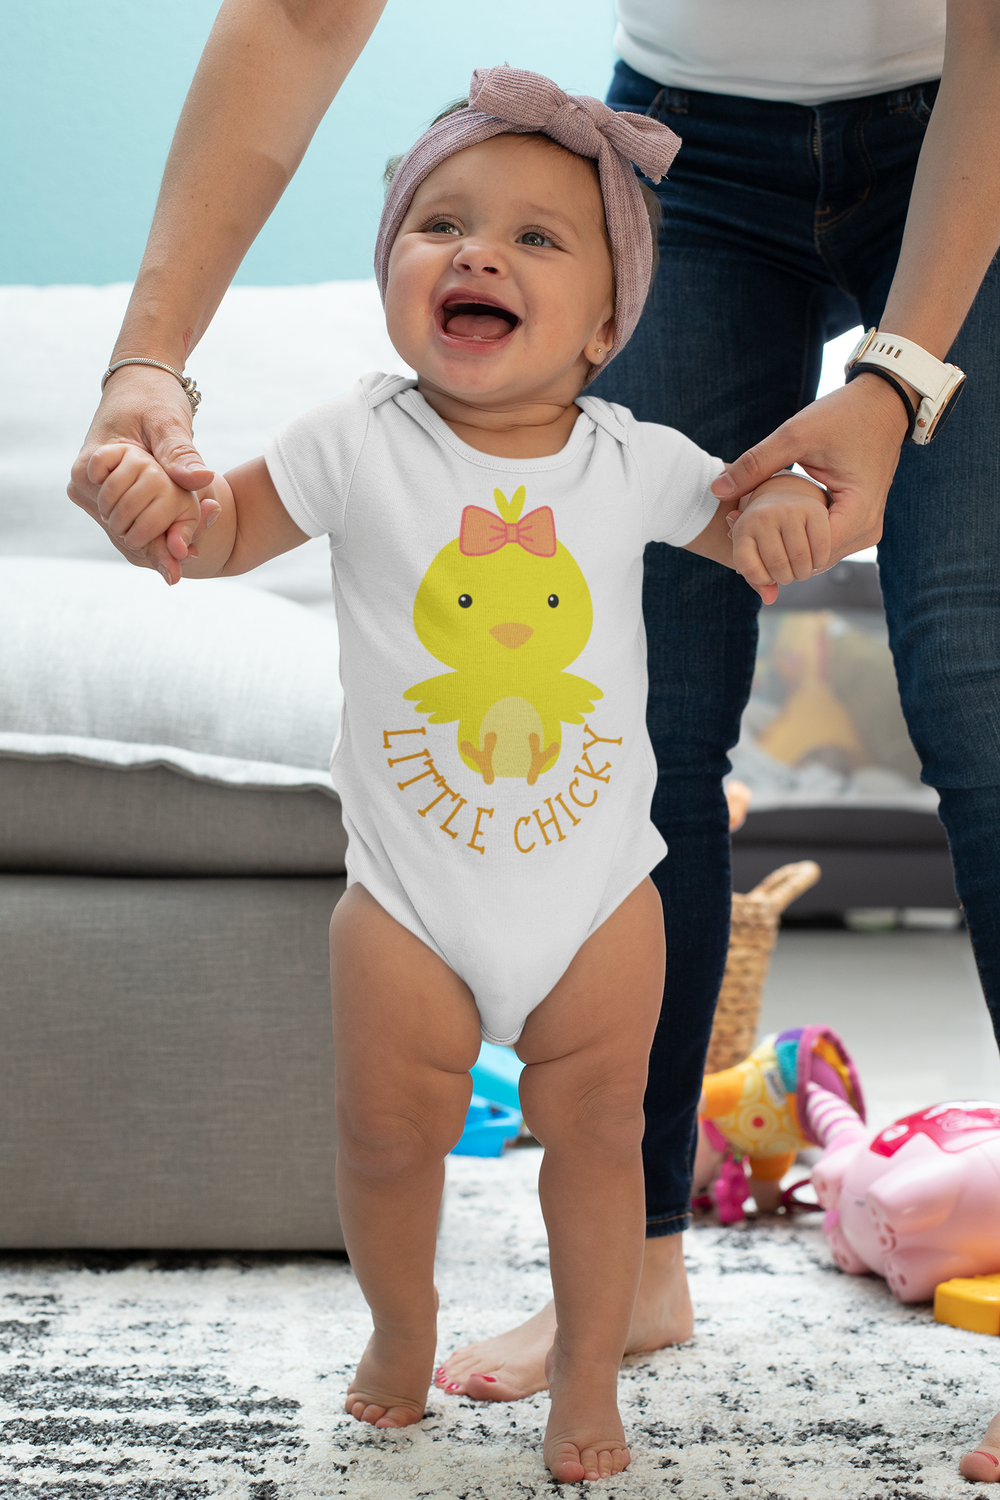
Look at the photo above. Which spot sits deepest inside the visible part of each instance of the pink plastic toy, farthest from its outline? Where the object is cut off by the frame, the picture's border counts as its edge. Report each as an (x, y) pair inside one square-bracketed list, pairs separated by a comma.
[(919, 1203)]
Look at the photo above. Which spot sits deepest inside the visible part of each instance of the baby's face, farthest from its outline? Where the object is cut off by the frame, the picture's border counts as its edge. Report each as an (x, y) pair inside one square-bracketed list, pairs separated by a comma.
[(500, 280)]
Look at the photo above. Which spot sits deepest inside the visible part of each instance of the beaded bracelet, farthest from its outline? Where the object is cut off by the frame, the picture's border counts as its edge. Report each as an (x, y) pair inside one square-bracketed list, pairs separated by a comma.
[(187, 381)]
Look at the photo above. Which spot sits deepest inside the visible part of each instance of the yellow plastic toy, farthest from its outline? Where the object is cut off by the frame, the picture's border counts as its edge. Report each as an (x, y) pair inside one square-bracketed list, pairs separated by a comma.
[(755, 1113), (508, 608), (971, 1302), (814, 724)]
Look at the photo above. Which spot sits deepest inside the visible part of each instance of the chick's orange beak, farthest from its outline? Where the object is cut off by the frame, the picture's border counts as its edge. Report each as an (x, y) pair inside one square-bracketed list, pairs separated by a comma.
[(511, 634)]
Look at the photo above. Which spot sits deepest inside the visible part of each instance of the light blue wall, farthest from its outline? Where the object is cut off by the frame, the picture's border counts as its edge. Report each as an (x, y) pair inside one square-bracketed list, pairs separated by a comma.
[(90, 91)]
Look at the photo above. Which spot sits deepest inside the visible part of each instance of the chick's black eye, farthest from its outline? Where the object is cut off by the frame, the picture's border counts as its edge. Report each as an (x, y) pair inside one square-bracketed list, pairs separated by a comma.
[(464, 600), (553, 600)]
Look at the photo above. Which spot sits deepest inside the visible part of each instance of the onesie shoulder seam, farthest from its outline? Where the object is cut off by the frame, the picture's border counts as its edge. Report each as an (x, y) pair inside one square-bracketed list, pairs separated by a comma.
[(349, 490)]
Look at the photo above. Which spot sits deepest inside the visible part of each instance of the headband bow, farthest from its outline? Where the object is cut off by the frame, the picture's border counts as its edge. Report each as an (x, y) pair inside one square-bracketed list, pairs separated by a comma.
[(511, 101)]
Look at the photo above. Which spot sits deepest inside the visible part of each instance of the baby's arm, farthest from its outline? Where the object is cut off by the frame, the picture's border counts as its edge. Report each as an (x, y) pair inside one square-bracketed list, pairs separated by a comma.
[(782, 534), (138, 502)]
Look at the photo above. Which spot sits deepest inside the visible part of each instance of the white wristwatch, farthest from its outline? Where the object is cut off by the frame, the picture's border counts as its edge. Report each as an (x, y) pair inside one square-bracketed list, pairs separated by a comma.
[(889, 355)]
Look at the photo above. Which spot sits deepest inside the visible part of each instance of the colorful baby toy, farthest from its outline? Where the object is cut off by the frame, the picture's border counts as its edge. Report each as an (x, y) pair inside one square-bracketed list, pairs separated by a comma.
[(754, 1115), (920, 1203)]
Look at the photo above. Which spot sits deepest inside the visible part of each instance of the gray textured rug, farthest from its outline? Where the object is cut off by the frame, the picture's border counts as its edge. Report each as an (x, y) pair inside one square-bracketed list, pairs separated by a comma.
[(177, 1378)]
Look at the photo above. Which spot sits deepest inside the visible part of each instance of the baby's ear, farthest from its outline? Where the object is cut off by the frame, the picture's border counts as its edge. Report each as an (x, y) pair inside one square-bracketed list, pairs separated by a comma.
[(596, 349)]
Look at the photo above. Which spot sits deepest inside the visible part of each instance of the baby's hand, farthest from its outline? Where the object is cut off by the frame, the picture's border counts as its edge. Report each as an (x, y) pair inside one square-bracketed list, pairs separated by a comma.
[(138, 503), (781, 533)]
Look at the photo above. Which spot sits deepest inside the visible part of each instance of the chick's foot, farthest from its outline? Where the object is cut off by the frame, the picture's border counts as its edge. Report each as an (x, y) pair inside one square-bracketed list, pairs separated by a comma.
[(482, 758), (539, 758)]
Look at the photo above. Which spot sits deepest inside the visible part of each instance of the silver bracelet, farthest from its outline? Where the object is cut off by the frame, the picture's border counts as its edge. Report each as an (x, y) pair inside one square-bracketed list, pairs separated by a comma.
[(187, 381)]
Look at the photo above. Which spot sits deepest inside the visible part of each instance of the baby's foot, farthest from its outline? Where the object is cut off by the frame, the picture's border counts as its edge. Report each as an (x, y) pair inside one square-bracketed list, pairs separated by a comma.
[(505, 1368), (584, 1436), (390, 1386), (983, 1463)]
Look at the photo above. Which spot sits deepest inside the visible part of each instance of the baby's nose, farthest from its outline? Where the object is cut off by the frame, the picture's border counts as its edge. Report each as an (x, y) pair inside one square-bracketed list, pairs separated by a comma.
[(511, 634)]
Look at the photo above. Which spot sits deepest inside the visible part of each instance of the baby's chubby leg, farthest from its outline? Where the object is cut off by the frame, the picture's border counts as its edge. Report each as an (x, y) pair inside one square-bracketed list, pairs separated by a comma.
[(406, 1032), (586, 1049)]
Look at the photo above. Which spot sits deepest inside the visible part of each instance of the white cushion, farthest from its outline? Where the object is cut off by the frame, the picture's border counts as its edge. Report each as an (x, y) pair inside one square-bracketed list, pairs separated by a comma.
[(222, 684), (104, 663)]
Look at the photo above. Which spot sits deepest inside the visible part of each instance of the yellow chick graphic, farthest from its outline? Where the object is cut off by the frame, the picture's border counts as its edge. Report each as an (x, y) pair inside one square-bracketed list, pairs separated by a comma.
[(507, 607)]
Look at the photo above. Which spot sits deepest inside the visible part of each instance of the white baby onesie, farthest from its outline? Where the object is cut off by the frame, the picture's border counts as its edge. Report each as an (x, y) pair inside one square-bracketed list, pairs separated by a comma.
[(493, 761)]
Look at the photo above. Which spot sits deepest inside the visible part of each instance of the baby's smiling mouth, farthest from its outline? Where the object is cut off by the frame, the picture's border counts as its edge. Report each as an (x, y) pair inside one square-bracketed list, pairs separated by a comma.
[(481, 322)]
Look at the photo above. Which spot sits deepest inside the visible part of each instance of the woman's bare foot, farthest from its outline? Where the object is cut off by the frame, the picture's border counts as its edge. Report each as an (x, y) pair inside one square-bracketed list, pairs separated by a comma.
[(584, 1436), (390, 1386), (512, 1365), (983, 1463)]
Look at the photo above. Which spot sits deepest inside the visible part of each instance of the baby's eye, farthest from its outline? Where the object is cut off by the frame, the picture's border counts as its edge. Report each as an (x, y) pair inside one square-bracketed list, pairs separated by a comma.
[(553, 600), (464, 600), (443, 226), (534, 237)]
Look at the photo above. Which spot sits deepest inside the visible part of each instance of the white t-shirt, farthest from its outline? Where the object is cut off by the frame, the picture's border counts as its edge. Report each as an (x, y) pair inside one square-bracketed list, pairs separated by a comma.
[(802, 51), (493, 760)]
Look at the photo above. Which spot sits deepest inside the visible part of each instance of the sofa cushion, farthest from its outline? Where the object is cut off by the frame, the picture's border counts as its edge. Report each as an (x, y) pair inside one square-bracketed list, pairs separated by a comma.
[(147, 730)]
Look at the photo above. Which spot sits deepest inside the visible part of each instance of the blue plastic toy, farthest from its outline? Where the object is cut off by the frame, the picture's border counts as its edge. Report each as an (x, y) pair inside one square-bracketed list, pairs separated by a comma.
[(494, 1115), (496, 1074), (488, 1128)]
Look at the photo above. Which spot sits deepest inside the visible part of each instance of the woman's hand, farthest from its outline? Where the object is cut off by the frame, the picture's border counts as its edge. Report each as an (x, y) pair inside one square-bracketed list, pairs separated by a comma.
[(849, 442), (144, 409)]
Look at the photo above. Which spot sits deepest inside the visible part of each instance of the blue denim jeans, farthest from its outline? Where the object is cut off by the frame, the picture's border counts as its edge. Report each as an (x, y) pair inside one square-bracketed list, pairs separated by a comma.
[(782, 226)]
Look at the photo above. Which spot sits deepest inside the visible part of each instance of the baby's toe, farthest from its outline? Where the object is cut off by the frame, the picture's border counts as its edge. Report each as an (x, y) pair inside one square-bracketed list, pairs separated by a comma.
[(364, 1411), (564, 1464), (397, 1416), (982, 1466), (592, 1467), (601, 1463)]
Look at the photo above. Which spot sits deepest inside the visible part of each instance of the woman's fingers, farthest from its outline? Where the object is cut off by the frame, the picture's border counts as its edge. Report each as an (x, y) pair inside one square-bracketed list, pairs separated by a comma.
[(756, 465), (820, 534)]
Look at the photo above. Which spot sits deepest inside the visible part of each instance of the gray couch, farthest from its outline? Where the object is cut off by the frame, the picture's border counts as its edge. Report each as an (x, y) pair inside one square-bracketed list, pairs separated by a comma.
[(170, 852)]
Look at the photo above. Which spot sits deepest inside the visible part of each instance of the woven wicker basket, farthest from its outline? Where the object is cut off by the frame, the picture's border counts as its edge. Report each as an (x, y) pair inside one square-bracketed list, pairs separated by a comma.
[(751, 942)]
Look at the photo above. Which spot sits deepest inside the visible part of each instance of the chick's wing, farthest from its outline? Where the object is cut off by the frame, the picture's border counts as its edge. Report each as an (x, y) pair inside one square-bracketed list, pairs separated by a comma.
[(572, 697), (444, 697)]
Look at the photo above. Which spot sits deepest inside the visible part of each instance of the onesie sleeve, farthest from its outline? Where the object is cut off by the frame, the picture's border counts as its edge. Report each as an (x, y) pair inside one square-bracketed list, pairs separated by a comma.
[(312, 462), (675, 475)]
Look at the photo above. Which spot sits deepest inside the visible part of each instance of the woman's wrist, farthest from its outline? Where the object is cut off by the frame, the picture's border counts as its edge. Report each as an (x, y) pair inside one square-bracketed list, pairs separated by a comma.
[(880, 395)]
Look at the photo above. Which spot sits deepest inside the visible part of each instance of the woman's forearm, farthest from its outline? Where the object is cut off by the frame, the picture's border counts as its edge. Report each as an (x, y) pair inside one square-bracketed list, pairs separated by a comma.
[(266, 78), (953, 224)]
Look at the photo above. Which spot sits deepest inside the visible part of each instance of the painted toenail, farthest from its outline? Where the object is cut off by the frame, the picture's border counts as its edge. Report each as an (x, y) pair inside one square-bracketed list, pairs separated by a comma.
[(439, 1370), (491, 1378), (452, 1387), (983, 1454)]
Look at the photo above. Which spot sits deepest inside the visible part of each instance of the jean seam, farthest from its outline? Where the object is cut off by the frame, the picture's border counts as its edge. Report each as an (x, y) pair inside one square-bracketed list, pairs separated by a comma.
[(822, 231)]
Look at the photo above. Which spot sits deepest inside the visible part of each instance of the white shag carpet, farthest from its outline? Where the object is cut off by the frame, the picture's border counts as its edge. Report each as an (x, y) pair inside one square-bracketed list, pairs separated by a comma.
[(178, 1378)]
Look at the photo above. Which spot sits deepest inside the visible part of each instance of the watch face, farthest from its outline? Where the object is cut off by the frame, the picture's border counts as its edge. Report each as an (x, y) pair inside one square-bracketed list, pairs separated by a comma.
[(945, 412)]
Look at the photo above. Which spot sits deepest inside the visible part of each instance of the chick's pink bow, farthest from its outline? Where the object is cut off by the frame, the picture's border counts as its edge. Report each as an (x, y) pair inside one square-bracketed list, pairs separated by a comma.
[(482, 532)]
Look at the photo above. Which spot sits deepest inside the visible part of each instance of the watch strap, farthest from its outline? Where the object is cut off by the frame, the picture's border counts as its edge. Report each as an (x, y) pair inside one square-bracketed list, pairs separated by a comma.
[(867, 369), (930, 376)]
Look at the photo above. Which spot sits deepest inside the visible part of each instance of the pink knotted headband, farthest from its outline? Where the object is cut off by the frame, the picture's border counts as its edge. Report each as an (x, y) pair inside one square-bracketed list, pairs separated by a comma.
[(510, 101)]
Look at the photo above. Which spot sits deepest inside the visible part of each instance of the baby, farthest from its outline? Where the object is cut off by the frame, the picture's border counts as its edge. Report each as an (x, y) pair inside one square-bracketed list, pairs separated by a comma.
[(487, 526)]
